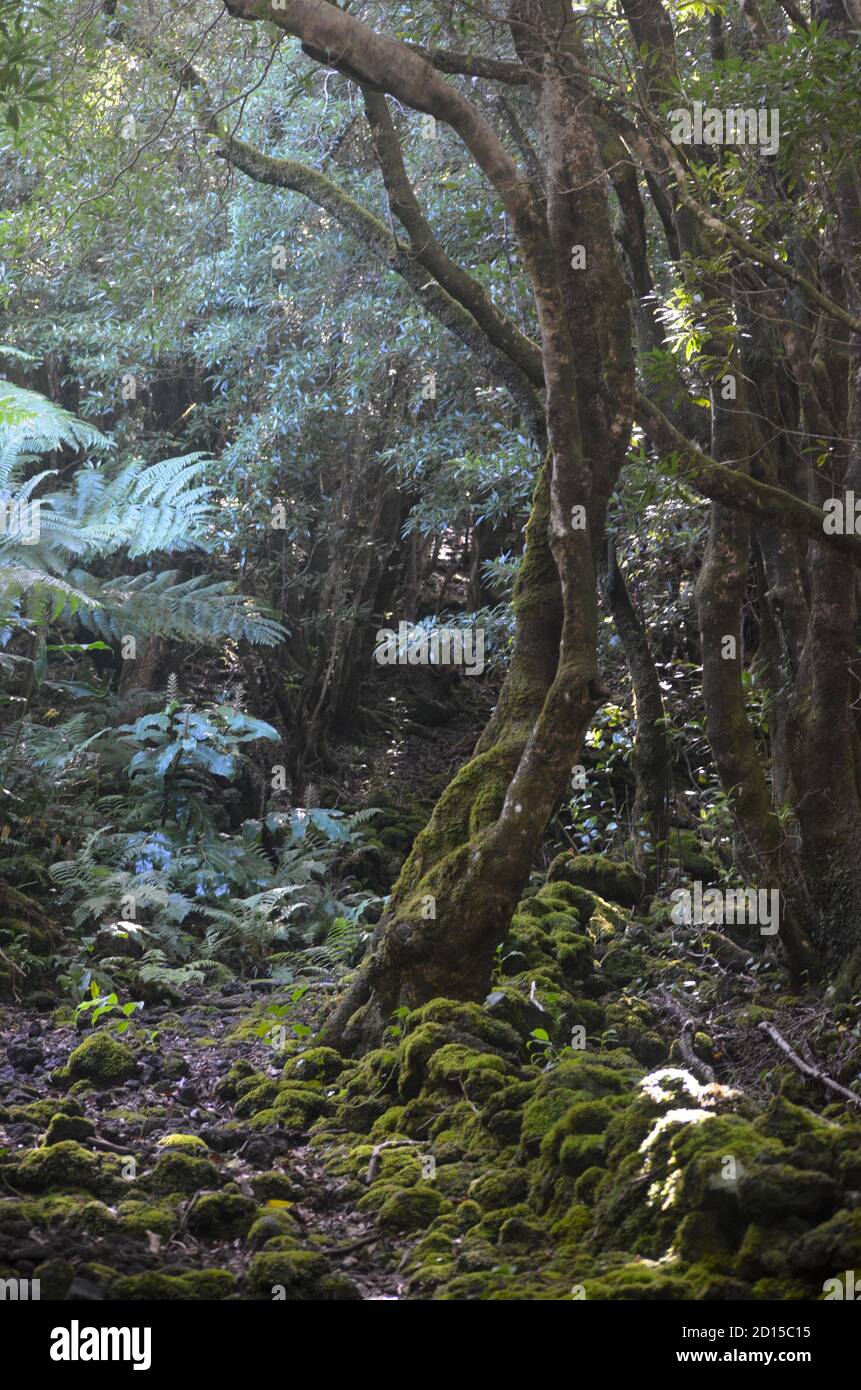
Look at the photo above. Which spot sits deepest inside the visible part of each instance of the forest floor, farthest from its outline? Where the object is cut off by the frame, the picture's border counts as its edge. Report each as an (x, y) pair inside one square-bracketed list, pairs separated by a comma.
[(614, 1122), (86, 1248)]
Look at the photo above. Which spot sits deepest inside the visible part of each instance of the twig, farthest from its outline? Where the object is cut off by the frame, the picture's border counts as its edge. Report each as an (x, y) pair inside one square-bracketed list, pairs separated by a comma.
[(805, 1068), (378, 1149), (357, 1244), (701, 1070)]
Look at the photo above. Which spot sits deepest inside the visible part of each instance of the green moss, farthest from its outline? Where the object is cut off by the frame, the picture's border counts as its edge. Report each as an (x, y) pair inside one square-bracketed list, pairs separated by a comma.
[(55, 1279), (205, 1285), (69, 1127), (466, 1023), (316, 1064), (830, 1248), (179, 1172), (411, 1209), (92, 1218), (272, 1224), (275, 1186), (228, 1086), (579, 1152), (628, 1024), (477, 1074), (68, 1165), (520, 1232), (776, 1191), (617, 883), (298, 1105), (300, 1275), (639, 1282), (100, 1060), (140, 1217), (499, 1188), (765, 1249), (256, 1098), (390, 1123), (41, 1112), (78, 1088), (587, 1184), (548, 902), (375, 1075), (190, 1143), (221, 1216), (623, 964), (415, 1056), (575, 957)]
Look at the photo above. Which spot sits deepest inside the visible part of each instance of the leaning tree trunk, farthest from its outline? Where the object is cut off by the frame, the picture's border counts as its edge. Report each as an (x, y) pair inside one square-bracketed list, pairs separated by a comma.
[(416, 953)]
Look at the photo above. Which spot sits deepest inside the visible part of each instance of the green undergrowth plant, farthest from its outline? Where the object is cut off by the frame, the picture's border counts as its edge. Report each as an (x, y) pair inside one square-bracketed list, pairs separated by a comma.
[(185, 890)]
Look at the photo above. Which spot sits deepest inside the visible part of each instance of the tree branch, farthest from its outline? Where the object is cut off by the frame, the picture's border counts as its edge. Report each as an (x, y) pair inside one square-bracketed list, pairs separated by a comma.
[(426, 248), (728, 486), (378, 238)]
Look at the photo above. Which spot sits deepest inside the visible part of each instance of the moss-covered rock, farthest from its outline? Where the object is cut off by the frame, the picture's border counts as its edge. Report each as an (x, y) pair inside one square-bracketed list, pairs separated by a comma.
[(830, 1248), (499, 1188), (476, 1074), (101, 1061), (466, 1023), (779, 1190), (41, 1112), (274, 1223), (300, 1275), (275, 1186), (241, 1071), (617, 883), (221, 1216), (139, 1218), (205, 1285), (69, 1127), (55, 1279), (315, 1064), (411, 1209), (66, 1165), (180, 1172), (188, 1143)]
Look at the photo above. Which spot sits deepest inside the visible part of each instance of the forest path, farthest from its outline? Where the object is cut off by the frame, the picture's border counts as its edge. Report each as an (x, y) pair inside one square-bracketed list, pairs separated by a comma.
[(179, 1087)]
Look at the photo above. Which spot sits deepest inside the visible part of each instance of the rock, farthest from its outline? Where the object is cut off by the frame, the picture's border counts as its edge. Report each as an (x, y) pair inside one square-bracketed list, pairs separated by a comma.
[(66, 1166), (25, 1055), (410, 1209), (221, 1216), (178, 1172), (780, 1190), (69, 1127), (190, 1143), (101, 1061), (617, 883)]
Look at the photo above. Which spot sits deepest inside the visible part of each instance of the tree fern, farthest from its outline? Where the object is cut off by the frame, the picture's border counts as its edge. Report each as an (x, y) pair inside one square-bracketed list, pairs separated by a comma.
[(143, 510)]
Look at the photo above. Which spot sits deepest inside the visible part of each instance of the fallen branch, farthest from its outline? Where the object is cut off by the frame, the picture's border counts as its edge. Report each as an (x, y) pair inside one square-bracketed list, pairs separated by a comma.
[(815, 1073), (701, 1070)]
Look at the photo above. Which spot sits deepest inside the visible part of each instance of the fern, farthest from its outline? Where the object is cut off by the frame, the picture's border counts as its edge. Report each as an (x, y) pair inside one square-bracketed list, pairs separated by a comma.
[(143, 510)]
